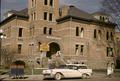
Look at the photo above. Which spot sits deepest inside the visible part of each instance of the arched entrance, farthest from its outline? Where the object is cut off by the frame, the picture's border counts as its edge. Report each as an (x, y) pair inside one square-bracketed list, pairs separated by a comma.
[(54, 47), (19, 62)]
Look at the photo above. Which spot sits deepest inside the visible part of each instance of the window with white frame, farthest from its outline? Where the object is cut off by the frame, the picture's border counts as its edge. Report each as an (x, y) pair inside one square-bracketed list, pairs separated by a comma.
[(109, 52), (51, 2), (99, 34), (82, 33), (79, 49)]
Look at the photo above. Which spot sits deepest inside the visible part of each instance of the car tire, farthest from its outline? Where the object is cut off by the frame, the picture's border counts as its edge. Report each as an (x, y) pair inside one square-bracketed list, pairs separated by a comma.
[(85, 76), (58, 76)]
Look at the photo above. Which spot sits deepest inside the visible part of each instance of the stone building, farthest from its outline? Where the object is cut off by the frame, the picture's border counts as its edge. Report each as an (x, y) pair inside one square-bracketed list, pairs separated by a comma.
[(15, 28), (79, 36)]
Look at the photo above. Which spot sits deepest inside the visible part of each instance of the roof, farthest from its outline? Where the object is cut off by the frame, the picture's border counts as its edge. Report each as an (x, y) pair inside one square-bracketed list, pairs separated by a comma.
[(73, 11), (100, 13), (22, 14), (78, 14)]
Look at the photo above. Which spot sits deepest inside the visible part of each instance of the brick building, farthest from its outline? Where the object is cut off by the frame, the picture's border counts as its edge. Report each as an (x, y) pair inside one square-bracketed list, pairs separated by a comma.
[(81, 37)]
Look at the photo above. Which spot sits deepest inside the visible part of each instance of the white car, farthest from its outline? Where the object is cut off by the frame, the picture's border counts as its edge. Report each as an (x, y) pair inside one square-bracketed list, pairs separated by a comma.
[(68, 71)]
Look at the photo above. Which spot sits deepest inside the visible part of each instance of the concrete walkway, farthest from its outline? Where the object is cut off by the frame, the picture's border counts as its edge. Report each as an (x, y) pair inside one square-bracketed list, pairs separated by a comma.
[(40, 77), (26, 77)]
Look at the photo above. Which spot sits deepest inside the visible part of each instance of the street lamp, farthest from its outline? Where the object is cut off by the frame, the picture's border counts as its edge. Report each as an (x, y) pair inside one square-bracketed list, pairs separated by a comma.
[(31, 58), (1, 37)]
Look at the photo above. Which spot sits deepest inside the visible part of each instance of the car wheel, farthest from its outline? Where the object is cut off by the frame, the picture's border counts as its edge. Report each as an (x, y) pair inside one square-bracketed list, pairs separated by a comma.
[(85, 76), (58, 76)]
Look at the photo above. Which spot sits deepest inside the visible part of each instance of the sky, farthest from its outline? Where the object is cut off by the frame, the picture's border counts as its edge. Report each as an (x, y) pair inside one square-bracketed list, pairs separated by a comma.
[(86, 5)]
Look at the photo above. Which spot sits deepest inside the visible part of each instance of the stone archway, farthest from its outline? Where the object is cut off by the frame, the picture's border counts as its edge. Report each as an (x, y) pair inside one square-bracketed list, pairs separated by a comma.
[(19, 62), (54, 47)]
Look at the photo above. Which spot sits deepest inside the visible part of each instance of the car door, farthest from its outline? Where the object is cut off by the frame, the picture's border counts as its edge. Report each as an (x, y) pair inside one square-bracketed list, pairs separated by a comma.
[(72, 72), (82, 70)]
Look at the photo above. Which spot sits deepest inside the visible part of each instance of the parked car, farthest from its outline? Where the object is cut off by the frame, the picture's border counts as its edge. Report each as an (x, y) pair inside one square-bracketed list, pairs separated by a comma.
[(68, 71)]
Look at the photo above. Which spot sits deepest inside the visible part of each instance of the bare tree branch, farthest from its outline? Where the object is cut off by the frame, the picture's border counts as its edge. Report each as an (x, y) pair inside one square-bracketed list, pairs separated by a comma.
[(112, 7)]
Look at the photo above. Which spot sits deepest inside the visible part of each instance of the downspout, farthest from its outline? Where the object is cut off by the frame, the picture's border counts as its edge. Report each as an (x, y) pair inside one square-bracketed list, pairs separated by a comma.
[(70, 51)]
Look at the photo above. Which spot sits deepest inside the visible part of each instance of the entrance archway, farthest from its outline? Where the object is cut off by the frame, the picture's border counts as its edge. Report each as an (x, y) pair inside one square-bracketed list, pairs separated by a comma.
[(54, 47)]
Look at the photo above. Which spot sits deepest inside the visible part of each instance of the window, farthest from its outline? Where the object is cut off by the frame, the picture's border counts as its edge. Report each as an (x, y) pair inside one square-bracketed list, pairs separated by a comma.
[(45, 30), (32, 3), (32, 29), (19, 48), (34, 15), (99, 34), (35, 2), (45, 15), (109, 52), (50, 17), (103, 19), (82, 32), (31, 17), (77, 31), (111, 34), (82, 49), (20, 32), (107, 35), (51, 2), (45, 2), (77, 49), (50, 31), (39, 43), (95, 33), (60, 12), (100, 17)]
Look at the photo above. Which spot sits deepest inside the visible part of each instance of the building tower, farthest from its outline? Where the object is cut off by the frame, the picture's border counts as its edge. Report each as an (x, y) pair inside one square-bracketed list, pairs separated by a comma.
[(42, 21)]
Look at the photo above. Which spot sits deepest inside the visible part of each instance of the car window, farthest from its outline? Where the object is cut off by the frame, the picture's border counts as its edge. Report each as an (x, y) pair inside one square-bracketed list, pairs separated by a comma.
[(72, 67), (62, 67), (82, 67)]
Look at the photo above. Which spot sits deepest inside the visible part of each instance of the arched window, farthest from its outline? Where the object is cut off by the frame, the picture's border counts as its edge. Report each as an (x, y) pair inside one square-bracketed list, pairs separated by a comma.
[(82, 32)]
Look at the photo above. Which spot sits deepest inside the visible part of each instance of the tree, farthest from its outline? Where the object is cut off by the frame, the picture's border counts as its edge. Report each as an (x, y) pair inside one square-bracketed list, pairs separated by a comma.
[(112, 7), (7, 57)]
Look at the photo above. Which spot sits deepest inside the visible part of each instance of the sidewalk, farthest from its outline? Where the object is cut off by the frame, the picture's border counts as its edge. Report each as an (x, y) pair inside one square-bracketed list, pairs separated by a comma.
[(40, 77), (26, 78)]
